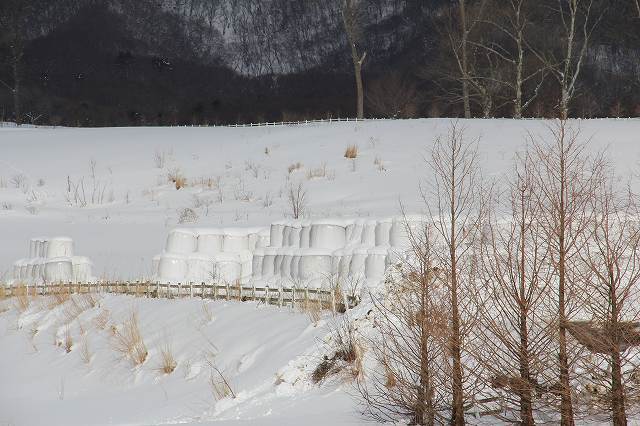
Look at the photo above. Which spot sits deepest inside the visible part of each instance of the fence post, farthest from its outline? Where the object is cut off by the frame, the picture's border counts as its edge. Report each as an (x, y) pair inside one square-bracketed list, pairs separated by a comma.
[(333, 300), (126, 288), (306, 297), (239, 291), (253, 291), (293, 297), (179, 289), (157, 289), (148, 290), (215, 291), (266, 295), (70, 288), (202, 290), (228, 290), (280, 296)]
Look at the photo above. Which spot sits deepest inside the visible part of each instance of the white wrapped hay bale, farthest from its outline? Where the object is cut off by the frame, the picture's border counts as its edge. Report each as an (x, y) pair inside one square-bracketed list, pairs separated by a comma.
[(277, 264), (173, 267), (314, 264), (285, 265), (344, 264), (336, 256), (402, 228), (275, 235), (368, 237), (228, 268), (182, 241), (294, 236), (256, 263), (82, 268), (327, 235), (246, 264), (354, 232), (235, 240), (58, 270), (358, 259), (305, 235), (268, 263), (201, 268), (294, 268), (383, 228), (376, 263), (210, 241), (59, 247)]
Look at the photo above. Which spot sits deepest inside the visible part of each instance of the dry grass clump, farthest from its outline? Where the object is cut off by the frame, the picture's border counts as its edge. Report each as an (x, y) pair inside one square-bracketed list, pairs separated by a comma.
[(102, 319), (317, 172), (129, 342), (220, 387), (313, 309), (22, 301), (294, 167), (347, 354), (168, 362), (177, 178), (59, 296), (351, 151), (68, 340), (85, 353), (379, 165)]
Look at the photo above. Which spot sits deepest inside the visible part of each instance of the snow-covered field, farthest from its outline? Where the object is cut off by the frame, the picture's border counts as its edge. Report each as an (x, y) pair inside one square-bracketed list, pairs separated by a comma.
[(109, 190)]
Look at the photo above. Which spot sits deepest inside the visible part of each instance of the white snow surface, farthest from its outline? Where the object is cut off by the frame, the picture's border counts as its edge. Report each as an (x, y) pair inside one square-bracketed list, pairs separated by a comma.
[(236, 177), (120, 211)]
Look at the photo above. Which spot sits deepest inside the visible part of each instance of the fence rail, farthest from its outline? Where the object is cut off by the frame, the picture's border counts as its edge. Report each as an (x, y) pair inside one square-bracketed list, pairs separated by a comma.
[(303, 297)]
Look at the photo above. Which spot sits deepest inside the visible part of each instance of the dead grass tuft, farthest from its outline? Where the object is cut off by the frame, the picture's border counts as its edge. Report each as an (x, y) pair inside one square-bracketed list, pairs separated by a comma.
[(177, 178), (317, 172), (85, 353), (22, 301), (168, 362), (351, 151), (68, 340), (294, 167), (128, 340), (102, 319), (220, 387)]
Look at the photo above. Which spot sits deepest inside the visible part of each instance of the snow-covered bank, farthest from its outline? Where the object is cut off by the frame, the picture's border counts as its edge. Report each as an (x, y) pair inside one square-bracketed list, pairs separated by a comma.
[(72, 373), (109, 189)]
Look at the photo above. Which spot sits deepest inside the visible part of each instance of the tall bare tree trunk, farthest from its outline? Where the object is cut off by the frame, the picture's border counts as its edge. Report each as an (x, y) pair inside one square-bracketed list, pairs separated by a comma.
[(464, 59), (16, 90), (357, 67)]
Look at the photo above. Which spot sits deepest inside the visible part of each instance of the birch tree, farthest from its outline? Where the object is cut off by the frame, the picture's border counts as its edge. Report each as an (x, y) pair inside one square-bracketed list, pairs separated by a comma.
[(352, 17)]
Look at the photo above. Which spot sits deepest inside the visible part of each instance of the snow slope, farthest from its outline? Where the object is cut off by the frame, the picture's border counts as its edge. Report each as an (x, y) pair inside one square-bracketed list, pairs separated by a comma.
[(266, 354), (242, 173)]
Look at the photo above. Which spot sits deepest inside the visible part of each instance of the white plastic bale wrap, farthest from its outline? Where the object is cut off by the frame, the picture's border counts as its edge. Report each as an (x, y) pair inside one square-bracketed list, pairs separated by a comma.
[(327, 236), (383, 228), (210, 242), (58, 270), (81, 269), (44, 247), (59, 247), (172, 268), (235, 241), (336, 256), (201, 268), (285, 265), (183, 241), (314, 264), (344, 264), (402, 228), (356, 233), (155, 262), (277, 264), (228, 269), (268, 262), (294, 268), (254, 240), (376, 263), (305, 235), (358, 259), (294, 237), (34, 248), (368, 237), (246, 264), (285, 235), (275, 236), (256, 263)]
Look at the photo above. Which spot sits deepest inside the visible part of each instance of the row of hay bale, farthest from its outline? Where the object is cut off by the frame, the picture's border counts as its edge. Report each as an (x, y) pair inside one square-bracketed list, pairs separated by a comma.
[(52, 260), (291, 251)]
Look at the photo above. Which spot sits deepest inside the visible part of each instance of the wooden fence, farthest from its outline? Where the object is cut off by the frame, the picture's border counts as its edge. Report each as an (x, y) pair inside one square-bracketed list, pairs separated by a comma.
[(280, 296)]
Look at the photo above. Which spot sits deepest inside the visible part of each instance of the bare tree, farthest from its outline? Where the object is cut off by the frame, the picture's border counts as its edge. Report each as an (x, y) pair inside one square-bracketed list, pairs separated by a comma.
[(352, 17), (455, 205), (461, 25), (566, 178), (611, 296), (512, 21), (410, 346), (393, 96), (297, 200), (515, 340), (578, 24)]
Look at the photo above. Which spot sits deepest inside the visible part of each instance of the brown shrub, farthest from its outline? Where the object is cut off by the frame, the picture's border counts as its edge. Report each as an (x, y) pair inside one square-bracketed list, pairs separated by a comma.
[(351, 151)]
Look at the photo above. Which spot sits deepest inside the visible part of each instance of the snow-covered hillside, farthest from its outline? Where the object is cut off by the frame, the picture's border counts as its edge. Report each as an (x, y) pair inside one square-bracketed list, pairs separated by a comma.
[(109, 189)]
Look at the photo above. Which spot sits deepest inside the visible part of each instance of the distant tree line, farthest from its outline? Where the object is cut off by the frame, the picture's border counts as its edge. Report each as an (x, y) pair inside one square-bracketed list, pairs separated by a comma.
[(166, 62)]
